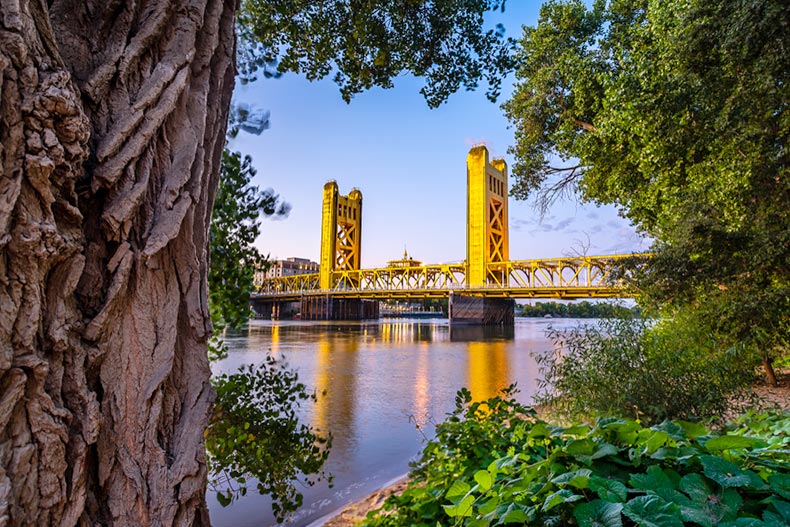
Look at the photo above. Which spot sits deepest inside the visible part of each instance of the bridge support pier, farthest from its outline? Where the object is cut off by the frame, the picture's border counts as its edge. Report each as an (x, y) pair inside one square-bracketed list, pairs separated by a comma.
[(330, 308), (481, 311)]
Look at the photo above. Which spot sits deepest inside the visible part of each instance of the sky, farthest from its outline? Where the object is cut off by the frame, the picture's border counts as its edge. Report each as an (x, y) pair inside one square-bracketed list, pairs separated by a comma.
[(409, 161)]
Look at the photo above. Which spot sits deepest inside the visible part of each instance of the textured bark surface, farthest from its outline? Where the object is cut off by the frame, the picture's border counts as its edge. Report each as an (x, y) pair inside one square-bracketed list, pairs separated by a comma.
[(112, 122)]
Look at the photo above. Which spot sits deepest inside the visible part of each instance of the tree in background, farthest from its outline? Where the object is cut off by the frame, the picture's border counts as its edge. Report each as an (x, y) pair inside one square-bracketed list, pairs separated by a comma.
[(235, 225), (113, 126), (677, 113)]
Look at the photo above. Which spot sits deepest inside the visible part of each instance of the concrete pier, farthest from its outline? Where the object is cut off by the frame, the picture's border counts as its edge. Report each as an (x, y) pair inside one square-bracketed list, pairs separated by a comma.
[(330, 308), (480, 311)]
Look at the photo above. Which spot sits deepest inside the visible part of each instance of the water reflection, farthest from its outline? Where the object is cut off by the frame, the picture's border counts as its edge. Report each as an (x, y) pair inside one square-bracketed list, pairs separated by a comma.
[(381, 378), (336, 383), (488, 370)]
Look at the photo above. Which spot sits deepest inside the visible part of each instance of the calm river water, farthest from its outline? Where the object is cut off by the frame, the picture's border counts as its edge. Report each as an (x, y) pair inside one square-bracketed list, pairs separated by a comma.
[(381, 378)]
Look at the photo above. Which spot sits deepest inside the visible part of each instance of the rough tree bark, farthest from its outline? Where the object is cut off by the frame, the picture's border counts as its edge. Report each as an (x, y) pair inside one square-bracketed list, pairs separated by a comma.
[(112, 122)]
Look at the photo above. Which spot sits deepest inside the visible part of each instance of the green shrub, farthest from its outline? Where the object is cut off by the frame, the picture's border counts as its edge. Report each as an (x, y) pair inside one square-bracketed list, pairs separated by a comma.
[(631, 368), (255, 433), (508, 468)]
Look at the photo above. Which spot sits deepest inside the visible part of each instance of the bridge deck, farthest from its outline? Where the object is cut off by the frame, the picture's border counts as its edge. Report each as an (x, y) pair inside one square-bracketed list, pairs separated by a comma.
[(569, 278)]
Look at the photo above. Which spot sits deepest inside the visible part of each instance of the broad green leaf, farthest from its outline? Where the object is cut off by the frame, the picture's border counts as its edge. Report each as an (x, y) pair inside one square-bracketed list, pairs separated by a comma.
[(655, 441), (561, 496), (458, 490), (708, 507), (462, 509), (514, 515), (578, 447), (598, 513), (730, 442), (603, 450), (783, 508), (780, 483), (652, 511), (693, 430), (657, 482), (729, 474), (771, 519), (608, 489), (484, 479), (490, 505), (744, 522), (578, 478)]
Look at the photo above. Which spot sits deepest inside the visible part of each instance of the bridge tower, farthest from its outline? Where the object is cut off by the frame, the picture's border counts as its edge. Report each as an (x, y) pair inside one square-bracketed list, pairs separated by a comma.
[(341, 233), (486, 210), (486, 240)]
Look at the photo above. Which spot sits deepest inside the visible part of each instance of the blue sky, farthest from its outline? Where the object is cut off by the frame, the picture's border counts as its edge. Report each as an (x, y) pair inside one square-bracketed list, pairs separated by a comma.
[(409, 163)]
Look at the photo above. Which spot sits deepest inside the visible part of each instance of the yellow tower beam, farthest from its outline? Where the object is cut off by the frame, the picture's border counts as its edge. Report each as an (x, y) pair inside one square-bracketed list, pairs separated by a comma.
[(341, 233), (486, 209)]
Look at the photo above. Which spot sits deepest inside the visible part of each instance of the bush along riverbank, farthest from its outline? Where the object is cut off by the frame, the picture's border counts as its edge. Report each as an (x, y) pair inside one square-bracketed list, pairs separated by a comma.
[(496, 463)]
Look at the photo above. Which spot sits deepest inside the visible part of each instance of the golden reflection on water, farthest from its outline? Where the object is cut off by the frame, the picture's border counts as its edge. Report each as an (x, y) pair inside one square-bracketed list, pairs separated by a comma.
[(275, 344), (422, 385), (336, 384), (489, 369)]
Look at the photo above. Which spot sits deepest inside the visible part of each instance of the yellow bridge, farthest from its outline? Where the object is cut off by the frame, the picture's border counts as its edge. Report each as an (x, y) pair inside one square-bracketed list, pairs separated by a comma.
[(569, 278), (486, 273)]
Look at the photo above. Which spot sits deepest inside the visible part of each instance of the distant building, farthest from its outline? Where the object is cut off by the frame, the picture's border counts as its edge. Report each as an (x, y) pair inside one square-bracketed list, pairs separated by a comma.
[(406, 261), (287, 267)]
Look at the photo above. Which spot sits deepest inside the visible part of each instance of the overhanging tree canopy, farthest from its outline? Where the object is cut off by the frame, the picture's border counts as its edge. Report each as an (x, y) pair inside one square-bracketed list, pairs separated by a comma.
[(675, 111)]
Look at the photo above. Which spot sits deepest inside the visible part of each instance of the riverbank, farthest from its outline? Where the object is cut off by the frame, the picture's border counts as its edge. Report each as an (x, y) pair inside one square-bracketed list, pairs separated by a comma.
[(355, 512)]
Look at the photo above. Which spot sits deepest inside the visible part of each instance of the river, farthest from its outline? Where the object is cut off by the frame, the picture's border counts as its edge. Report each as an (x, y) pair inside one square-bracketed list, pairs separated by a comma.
[(383, 380)]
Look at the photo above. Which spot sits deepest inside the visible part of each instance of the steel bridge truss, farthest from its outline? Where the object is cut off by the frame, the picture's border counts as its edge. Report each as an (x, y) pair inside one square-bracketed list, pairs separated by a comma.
[(572, 277)]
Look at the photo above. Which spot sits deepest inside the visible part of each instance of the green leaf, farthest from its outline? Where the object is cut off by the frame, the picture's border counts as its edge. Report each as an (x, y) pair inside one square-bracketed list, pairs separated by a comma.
[(783, 508), (729, 474), (598, 513), (578, 478), (224, 499), (780, 483), (657, 482), (707, 506), (514, 515), (693, 430), (583, 447), (730, 442), (744, 522), (652, 511), (561, 496), (462, 509), (458, 490), (484, 479), (609, 489)]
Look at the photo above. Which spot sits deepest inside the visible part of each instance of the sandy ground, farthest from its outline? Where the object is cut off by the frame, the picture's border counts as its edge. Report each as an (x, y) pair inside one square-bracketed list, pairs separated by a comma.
[(355, 512)]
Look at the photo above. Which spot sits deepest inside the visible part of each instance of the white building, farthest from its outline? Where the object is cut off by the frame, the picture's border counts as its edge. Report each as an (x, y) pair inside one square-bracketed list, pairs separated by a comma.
[(287, 267)]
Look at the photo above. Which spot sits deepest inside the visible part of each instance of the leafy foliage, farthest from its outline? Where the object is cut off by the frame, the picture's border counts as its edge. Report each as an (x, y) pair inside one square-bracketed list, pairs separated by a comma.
[(366, 44), (255, 432), (633, 369), (494, 463), (235, 224), (582, 309), (676, 111)]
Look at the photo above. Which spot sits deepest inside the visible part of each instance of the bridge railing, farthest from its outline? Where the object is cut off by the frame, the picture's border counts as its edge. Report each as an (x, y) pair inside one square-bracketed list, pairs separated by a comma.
[(593, 273), (561, 273)]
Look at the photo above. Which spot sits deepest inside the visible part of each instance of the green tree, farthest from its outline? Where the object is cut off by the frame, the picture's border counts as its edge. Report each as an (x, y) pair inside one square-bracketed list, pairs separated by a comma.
[(366, 44), (676, 112), (235, 225)]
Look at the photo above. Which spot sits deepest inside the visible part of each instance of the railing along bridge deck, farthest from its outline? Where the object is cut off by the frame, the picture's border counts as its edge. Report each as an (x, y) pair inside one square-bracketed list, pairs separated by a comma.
[(570, 277)]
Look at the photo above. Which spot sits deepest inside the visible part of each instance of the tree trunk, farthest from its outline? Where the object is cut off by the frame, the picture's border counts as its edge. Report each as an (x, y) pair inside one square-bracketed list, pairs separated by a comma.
[(112, 123), (770, 374)]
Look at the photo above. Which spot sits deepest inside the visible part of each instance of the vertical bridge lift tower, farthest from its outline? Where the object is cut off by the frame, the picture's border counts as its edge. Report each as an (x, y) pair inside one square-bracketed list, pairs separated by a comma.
[(486, 240), (341, 248)]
